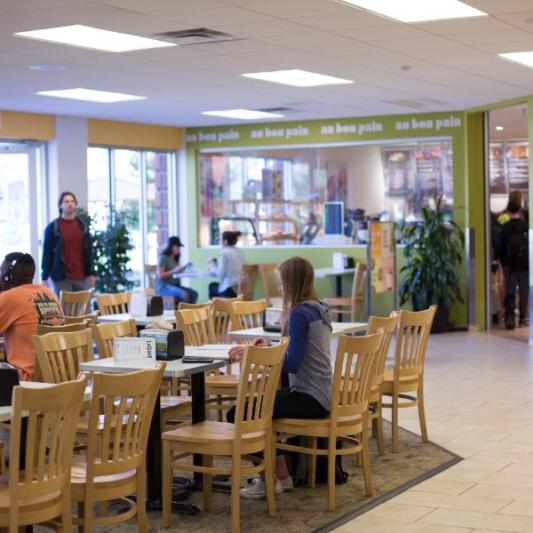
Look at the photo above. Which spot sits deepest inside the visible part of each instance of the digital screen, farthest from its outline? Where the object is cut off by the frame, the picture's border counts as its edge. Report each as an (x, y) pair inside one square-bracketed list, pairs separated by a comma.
[(333, 218)]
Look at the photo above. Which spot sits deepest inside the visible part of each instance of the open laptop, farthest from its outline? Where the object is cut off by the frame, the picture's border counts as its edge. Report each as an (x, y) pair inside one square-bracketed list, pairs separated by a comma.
[(272, 320)]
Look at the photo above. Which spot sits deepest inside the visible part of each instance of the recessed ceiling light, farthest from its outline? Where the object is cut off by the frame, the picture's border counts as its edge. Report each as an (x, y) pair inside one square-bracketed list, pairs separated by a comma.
[(94, 38), (48, 68), (418, 10), (297, 78), (243, 114), (91, 95), (524, 58), (499, 128)]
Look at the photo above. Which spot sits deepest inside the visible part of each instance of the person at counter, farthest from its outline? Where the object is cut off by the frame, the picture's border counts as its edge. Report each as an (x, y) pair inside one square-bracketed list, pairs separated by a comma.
[(227, 268), (167, 266)]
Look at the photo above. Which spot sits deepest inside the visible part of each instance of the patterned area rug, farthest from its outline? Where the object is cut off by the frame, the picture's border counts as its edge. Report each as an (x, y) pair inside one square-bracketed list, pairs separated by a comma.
[(303, 509)]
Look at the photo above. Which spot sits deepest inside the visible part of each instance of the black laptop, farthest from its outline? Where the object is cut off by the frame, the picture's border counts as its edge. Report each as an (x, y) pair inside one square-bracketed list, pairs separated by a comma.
[(272, 320)]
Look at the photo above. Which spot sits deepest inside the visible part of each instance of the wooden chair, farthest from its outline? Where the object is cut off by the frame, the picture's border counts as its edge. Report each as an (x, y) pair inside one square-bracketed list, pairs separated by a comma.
[(113, 304), (59, 354), (115, 464), (387, 325), (90, 318), (186, 305), (43, 329), (350, 305), (245, 314), (222, 318), (251, 433), (247, 279), (150, 271), (268, 273), (40, 491), (348, 419), (104, 333), (407, 375), (76, 303)]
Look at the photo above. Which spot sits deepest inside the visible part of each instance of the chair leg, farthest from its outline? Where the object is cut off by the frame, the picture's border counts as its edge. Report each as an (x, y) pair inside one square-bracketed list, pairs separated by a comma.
[(2, 459), (167, 483), (66, 512), (81, 516), (235, 495), (219, 409), (379, 427), (269, 475), (395, 409), (207, 483), (142, 519), (331, 473), (365, 457), (13, 519), (422, 412), (311, 476)]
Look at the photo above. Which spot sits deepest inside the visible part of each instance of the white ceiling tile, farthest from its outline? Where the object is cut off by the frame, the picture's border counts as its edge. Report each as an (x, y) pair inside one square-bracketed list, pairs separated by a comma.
[(499, 6), (221, 17), (487, 37), (353, 20), (295, 8), (163, 7), (468, 25)]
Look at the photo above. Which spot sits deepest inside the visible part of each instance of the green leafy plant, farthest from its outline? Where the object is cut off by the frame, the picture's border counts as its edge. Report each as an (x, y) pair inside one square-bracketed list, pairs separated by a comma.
[(433, 253)]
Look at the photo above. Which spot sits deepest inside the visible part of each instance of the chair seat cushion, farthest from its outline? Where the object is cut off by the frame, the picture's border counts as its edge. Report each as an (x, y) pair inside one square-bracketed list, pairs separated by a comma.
[(173, 402), (79, 469), (40, 501), (208, 432), (222, 380)]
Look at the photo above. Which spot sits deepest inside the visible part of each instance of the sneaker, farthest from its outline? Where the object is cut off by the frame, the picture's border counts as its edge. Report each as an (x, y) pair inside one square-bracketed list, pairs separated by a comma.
[(286, 484), (256, 490)]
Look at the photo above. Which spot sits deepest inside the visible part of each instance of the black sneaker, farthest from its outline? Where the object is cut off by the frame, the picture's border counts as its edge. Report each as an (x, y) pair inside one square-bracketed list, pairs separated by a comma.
[(509, 324)]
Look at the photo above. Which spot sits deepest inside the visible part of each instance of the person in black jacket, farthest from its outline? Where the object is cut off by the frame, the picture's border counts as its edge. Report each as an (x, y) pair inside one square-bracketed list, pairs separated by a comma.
[(68, 249), (514, 255)]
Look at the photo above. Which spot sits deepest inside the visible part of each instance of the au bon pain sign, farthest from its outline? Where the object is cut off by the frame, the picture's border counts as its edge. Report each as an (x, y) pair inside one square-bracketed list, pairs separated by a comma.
[(323, 131)]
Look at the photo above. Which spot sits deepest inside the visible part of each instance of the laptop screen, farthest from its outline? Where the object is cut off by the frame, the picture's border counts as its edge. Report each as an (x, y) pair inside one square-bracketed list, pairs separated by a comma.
[(272, 317)]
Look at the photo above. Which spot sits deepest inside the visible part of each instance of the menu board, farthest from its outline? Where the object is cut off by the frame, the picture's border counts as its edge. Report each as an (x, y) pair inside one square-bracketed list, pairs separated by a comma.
[(429, 170), (517, 158), (382, 257), (497, 175), (396, 165)]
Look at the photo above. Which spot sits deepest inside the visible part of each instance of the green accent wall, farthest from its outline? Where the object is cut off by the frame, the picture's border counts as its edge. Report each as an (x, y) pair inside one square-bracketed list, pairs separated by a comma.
[(425, 126)]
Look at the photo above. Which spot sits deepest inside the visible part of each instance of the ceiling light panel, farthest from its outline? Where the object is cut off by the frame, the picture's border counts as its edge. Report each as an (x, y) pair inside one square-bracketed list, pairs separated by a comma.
[(524, 58), (242, 114), (297, 78), (94, 38), (90, 95), (418, 10)]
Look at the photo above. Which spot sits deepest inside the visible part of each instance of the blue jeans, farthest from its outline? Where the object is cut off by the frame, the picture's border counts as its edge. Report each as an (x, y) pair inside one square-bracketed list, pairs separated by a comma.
[(182, 294)]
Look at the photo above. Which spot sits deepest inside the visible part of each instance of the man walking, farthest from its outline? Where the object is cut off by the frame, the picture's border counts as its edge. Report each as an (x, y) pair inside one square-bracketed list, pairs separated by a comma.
[(68, 249)]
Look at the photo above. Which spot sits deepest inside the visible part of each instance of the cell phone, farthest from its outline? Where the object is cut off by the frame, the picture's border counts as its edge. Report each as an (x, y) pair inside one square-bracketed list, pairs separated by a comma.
[(192, 359)]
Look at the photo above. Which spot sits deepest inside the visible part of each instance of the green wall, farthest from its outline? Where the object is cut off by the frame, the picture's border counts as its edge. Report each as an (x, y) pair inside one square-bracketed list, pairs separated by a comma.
[(323, 132)]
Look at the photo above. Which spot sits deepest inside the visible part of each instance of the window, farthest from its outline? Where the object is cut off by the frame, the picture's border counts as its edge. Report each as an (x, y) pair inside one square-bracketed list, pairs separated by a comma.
[(279, 196), (135, 183)]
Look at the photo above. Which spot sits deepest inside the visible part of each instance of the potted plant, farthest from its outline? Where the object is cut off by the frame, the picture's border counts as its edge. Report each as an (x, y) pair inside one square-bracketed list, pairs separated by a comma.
[(433, 252)]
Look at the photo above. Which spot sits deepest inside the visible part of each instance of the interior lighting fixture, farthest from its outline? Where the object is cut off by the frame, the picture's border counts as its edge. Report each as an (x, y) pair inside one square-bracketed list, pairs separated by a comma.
[(91, 95), (499, 128), (411, 11), (524, 58), (297, 78), (94, 38), (242, 114)]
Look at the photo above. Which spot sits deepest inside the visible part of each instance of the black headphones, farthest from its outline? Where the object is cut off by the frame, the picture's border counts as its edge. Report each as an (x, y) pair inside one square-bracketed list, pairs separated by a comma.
[(10, 273)]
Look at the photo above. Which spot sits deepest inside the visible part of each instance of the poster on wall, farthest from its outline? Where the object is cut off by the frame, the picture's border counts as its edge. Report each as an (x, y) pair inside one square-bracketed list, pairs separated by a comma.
[(517, 159), (337, 187), (497, 177), (381, 258)]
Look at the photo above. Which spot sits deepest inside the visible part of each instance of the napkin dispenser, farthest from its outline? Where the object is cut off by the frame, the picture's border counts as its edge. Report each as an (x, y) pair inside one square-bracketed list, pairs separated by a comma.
[(9, 378), (169, 345), (154, 306)]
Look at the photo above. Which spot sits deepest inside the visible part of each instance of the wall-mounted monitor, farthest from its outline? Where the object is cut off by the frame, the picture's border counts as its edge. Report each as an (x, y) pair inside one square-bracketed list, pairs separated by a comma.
[(333, 218)]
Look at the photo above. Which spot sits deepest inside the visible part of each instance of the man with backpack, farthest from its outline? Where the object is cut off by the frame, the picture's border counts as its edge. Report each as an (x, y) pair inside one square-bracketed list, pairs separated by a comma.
[(514, 255)]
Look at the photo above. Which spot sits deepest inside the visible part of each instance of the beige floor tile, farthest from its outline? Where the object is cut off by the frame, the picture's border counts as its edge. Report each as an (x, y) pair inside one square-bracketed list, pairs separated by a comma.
[(368, 524), (472, 519), (443, 486), (395, 511), (507, 492), (463, 502)]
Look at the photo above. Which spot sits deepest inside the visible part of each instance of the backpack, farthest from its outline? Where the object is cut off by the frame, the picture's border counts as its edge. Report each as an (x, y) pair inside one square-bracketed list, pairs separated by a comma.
[(518, 251)]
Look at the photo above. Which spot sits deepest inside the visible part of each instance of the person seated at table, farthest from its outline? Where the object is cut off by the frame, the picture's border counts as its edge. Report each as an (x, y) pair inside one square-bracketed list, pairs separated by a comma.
[(168, 265), (24, 305), (306, 320), (227, 268)]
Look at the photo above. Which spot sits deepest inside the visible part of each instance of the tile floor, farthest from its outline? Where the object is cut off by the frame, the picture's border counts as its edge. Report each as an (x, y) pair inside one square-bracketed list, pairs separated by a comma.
[(479, 404)]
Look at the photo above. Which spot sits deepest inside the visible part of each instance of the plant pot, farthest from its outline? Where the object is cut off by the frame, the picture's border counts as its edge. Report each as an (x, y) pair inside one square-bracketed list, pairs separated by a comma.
[(440, 322)]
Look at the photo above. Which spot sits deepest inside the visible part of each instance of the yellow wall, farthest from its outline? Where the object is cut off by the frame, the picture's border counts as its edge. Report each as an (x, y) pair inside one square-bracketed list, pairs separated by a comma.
[(132, 135), (32, 126)]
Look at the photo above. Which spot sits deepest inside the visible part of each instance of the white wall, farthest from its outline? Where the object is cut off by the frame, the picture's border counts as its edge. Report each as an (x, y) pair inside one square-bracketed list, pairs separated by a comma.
[(67, 161)]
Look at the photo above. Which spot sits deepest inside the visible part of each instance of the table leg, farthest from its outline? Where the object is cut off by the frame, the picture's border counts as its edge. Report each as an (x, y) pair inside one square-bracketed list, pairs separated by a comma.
[(338, 293), (198, 413), (153, 460)]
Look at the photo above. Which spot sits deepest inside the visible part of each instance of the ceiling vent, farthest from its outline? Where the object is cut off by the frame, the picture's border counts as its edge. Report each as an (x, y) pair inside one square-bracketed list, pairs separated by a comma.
[(194, 36), (419, 103)]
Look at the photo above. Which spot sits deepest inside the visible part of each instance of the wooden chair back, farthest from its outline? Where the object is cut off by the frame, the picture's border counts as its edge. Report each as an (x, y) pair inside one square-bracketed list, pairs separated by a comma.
[(268, 273), (247, 279), (186, 305), (411, 343), (59, 354), (90, 318), (104, 334), (113, 303), (245, 315), (222, 318), (114, 447), (51, 416), (260, 374), (358, 284), (387, 325), (43, 329), (352, 377), (76, 303), (197, 326)]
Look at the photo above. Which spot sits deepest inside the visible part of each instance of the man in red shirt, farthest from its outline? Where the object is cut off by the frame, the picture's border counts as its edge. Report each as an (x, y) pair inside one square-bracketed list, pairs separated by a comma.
[(68, 249)]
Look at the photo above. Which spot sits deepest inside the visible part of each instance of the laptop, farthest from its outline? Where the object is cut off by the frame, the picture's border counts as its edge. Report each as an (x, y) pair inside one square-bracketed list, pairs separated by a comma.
[(272, 320)]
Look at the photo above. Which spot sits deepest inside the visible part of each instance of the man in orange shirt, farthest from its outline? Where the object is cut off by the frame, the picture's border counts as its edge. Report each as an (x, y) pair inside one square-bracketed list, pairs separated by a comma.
[(23, 305)]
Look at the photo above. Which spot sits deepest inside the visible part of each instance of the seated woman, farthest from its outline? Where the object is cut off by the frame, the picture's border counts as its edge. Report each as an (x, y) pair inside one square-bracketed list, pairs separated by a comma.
[(228, 267), (168, 265), (306, 320)]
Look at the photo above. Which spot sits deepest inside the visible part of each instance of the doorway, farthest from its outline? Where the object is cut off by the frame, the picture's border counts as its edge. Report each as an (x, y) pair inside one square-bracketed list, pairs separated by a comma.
[(508, 177)]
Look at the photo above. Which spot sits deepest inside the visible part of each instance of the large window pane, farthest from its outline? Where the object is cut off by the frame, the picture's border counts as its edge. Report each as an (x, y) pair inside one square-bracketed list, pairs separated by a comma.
[(98, 183)]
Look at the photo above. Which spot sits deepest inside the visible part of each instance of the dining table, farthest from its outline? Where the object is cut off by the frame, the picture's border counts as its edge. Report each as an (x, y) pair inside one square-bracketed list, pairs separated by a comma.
[(336, 273), (141, 321)]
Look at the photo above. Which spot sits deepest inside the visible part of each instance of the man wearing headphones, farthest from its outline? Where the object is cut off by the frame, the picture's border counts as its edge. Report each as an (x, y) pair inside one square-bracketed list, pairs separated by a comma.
[(23, 305), (68, 249)]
